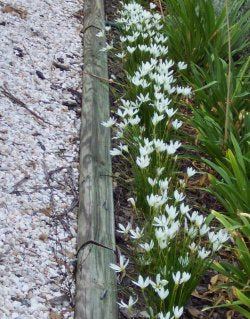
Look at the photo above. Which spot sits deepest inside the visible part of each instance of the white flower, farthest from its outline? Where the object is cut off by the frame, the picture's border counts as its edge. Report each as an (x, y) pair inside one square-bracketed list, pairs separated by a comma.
[(131, 49), (122, 265), (160, 170), (179, 197), (177, 277), (216, 245), (177, 312), (152, 182), (162, 293), (157, 118), (192, 232), (160, 221), (185, 277), (121, 55), (170, 112), (132, 201), (156, 200), (108, 47), (107, 28), (159, 283), (171, 211), (192, 247), (143, 98), (137, 233), (186, 91), (203, 253), (101, 34), (152, 5), (191, 172), (147, 247), (176, 124), (184, 261), (223, 236), (134, 120), (115, 152), (172, 147), (129, 305), (163, 243), (110, 122), (123, 147), (141, 282), (204, 229), (212, 237), (184, 209), (163, 184), (160, 146), (143, 161), (162, 316), (124, 230), (182, 65)]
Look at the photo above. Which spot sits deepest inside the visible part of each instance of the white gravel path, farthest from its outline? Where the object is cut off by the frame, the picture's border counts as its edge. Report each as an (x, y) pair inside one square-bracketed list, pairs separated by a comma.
[(40, 90)]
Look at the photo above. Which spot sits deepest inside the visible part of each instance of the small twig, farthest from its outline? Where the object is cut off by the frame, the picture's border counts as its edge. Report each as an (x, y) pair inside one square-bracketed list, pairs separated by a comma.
[(161, 8), (18, 184), (15, 100)]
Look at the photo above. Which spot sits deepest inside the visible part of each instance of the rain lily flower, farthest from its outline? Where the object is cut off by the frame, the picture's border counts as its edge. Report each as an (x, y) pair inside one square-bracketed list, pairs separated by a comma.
[(110, 122), (191, 172), (176, 124), (137, 233), (148, 247), (203, 253), (123, 263), (179, 197), (101, 34), (177, 312), (159, 283), (162, 293), (129, 305), (162, 316), (182, 65), (124, 230), (115, 152), (141, 282), (143, 161)]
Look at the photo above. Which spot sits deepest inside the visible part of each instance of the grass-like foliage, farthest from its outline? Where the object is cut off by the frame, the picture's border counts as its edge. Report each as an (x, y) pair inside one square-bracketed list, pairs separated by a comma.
[(232, 189), (209, 110), (238, 274), (195, 30), (171, 244)]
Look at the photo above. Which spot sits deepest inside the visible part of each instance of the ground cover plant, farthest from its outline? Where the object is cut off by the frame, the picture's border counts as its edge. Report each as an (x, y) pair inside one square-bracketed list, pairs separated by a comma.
[(172, 244), (220, 109), (202, 29)]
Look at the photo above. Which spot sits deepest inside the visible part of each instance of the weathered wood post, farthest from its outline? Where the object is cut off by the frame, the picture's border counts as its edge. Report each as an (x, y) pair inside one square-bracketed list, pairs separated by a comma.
[(95, 282)]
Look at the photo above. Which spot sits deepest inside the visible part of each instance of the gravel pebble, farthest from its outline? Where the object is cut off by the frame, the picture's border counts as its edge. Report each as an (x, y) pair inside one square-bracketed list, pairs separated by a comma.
[(40, 69)]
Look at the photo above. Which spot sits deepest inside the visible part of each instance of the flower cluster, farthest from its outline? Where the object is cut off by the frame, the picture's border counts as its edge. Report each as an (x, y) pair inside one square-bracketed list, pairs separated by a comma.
[(175, 244)]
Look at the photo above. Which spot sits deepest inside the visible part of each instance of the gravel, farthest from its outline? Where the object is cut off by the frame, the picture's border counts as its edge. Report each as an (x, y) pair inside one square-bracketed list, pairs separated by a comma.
[(40, 99)]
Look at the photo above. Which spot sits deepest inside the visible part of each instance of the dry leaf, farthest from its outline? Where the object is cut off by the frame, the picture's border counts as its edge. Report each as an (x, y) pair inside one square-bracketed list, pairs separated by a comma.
[(55, 315), (16, 11), (43, 237), (194, 312), (214, 280), (197, 295), (46, 211)]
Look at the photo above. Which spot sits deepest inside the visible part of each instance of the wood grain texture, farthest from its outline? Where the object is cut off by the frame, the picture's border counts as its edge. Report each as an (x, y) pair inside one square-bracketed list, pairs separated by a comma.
[(95, 282), (96, 297), (96, 218)]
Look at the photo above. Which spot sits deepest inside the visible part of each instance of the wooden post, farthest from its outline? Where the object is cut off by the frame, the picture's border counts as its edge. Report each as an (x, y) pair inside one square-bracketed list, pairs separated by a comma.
[(95, 281)]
